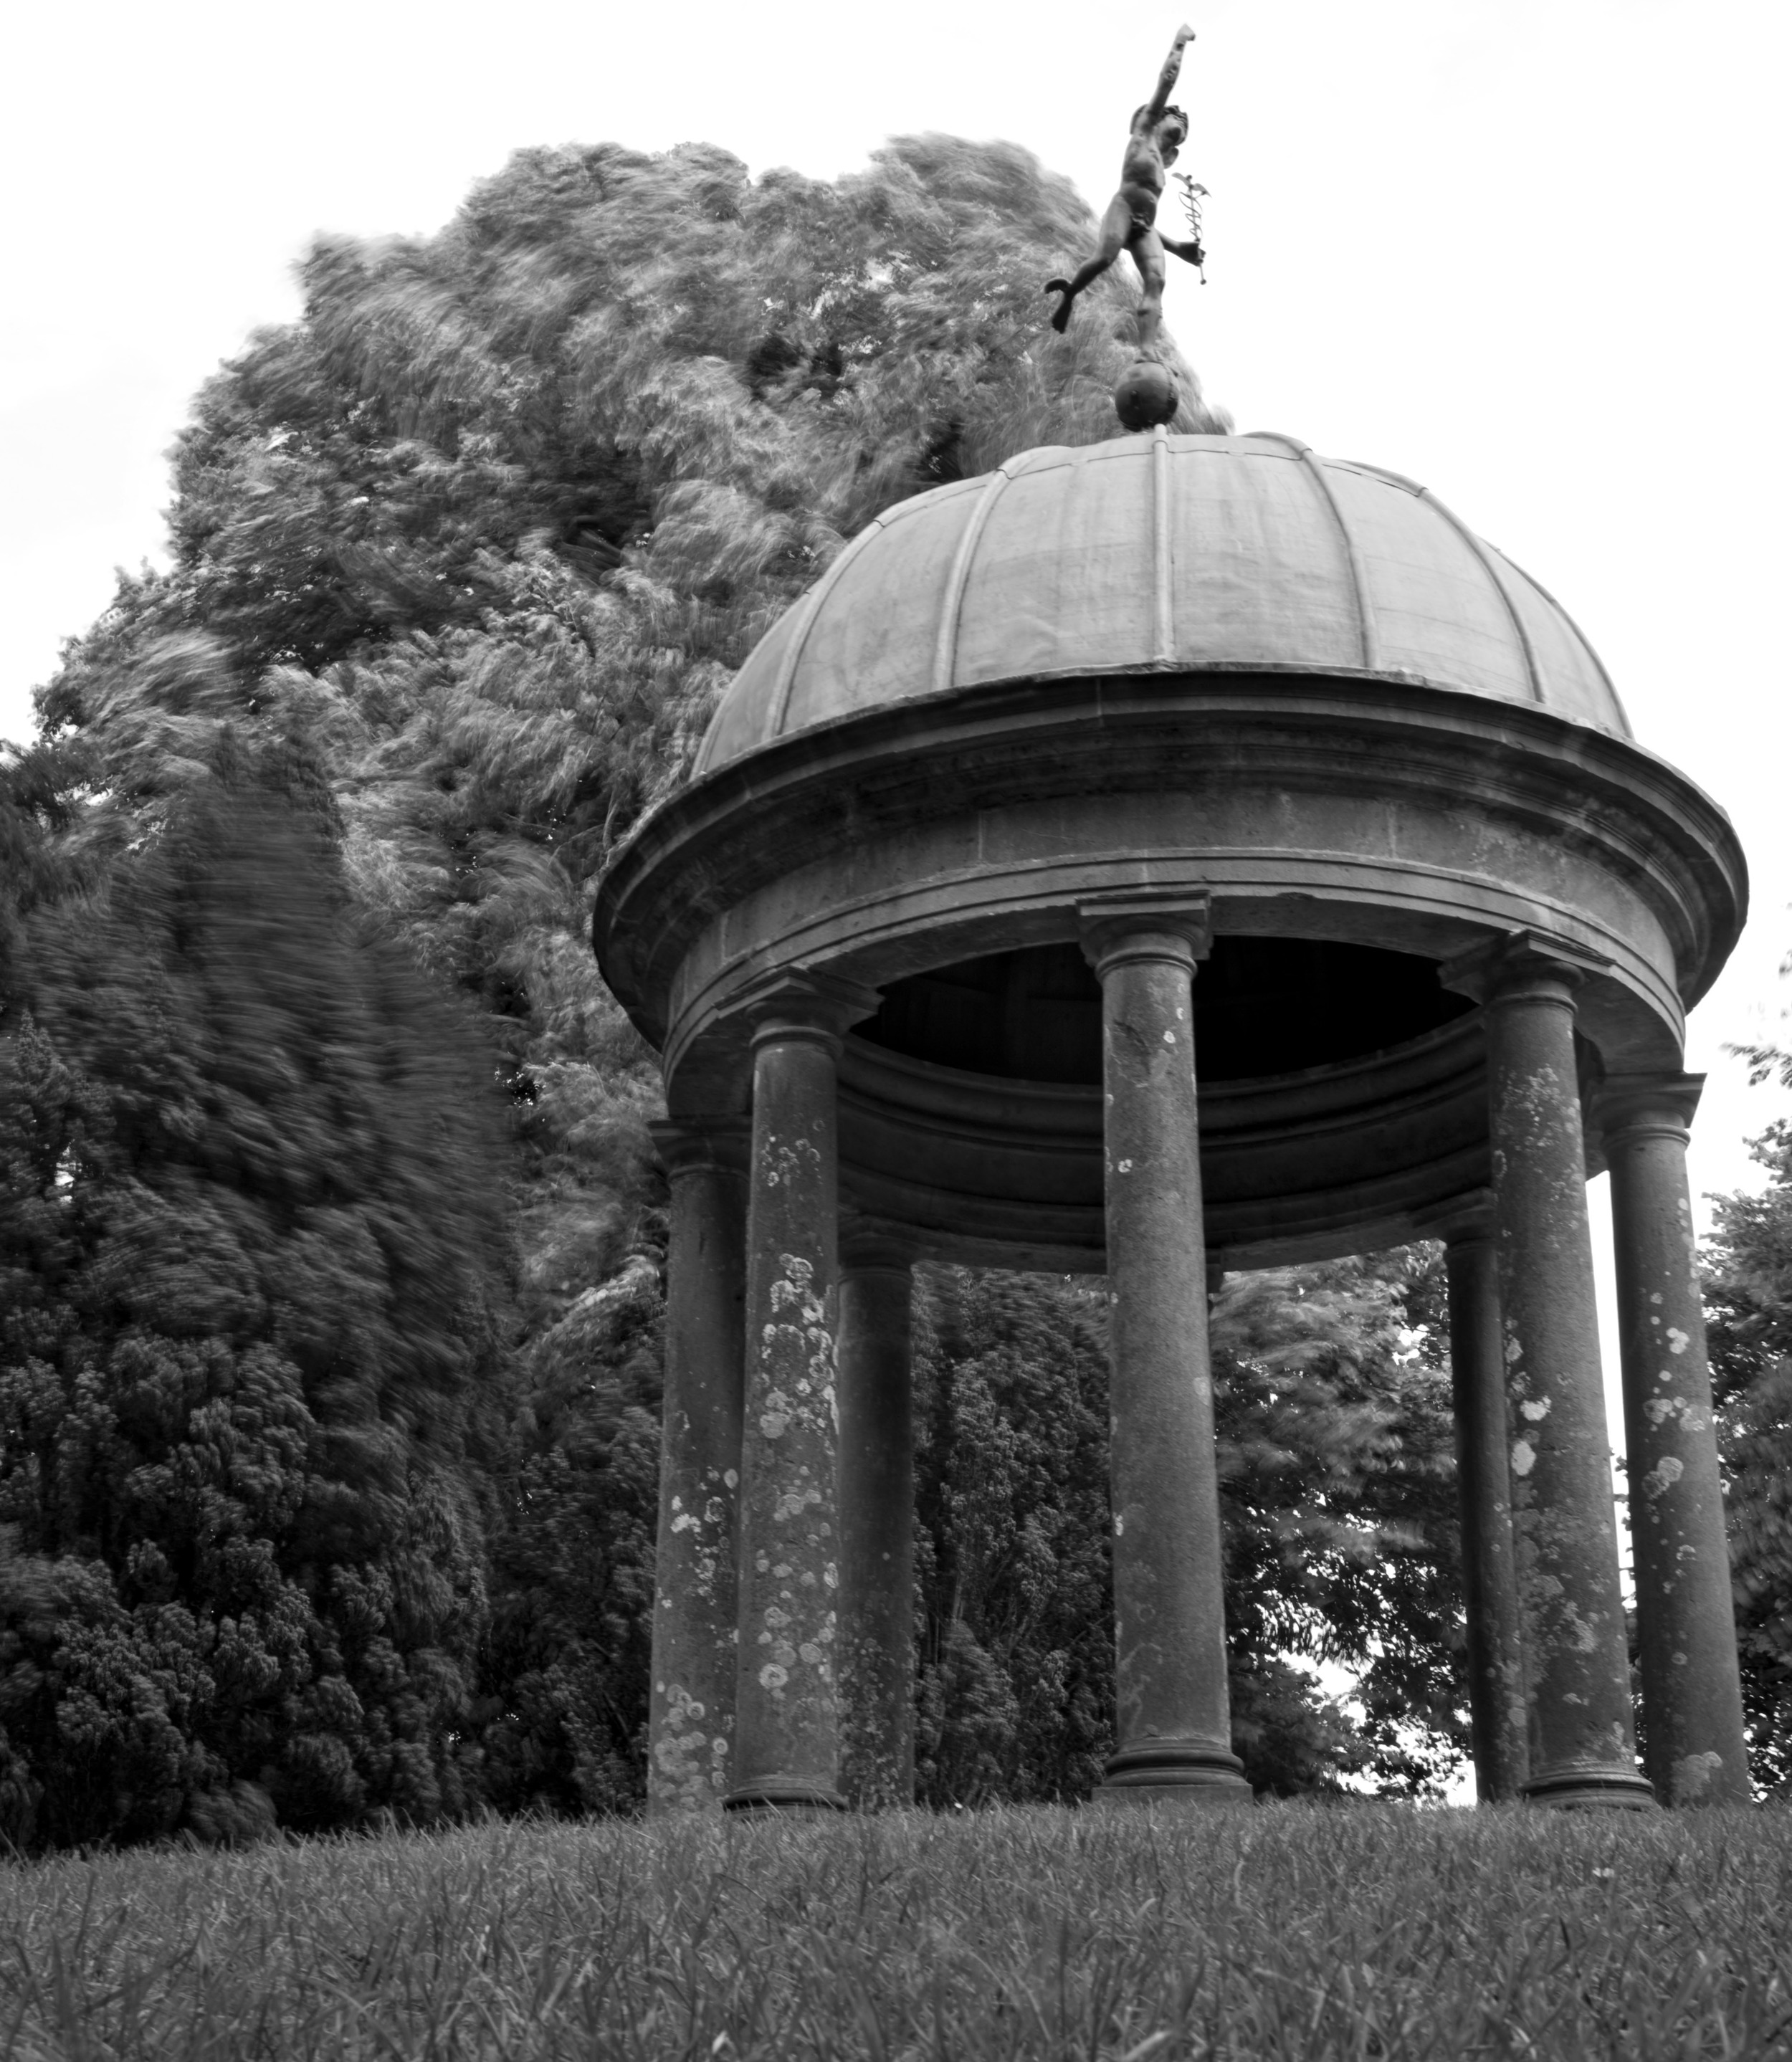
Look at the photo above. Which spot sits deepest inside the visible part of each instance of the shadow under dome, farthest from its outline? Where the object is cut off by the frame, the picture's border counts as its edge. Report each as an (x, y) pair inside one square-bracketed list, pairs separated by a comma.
[(1264, 1006)]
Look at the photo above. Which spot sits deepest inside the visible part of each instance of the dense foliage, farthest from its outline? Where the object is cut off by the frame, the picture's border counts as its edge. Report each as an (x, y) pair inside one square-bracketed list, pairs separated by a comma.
[(1338, 1507), (1748, 1304), (245, 1240), (330, 1423)]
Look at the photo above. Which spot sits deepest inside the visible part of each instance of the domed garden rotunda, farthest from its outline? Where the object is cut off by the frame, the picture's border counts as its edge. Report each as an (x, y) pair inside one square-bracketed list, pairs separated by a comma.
[(1177, 854)]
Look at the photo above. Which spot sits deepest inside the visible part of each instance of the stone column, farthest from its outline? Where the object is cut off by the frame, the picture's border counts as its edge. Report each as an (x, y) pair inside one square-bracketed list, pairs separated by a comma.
[(1695, 1743), (1173, 1730), (877, 1522), (1581, 1730), (1490, 1579), (787, 1751), (691, 1707)]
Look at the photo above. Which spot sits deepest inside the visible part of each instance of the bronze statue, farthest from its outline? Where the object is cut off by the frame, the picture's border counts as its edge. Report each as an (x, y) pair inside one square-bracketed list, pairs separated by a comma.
[(1158, 131)]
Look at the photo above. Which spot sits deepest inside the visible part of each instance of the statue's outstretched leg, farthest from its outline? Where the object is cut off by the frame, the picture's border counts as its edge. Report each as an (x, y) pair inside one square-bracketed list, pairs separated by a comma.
[(1147, 254), (1116, 227)]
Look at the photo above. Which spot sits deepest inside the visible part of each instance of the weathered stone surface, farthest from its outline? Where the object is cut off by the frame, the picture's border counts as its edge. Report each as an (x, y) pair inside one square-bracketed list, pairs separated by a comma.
[(1173, 1731), (1129, 554), (691, 1708), (788, 1695), (1490, 1582), (877, 1523), (1580, 1732), (1697, 1751)]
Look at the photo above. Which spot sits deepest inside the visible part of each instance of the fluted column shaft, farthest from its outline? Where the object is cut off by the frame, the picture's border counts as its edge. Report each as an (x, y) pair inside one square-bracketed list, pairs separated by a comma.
[(877, 1524), (1496, 1659), (1695, 1743), (788, 1707), (1173, 1733), (1582, 1741), (691, 1702)]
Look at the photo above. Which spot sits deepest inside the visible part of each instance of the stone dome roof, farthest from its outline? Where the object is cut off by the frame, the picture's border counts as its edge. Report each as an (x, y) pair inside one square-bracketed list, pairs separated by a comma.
[(1162, 554)]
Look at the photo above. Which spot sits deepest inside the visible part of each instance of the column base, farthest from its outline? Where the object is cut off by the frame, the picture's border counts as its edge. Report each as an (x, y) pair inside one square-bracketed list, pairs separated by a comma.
[(1175, 1772), (1589, 1786), (794, 1794)]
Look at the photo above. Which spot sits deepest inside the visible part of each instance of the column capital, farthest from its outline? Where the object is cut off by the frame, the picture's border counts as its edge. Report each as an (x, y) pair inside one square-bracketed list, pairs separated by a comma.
[(1145, 923), (1522, 963), (799, 1002), (700, 1144), (1634, 1105), (867, 1246), (1467, 1220)]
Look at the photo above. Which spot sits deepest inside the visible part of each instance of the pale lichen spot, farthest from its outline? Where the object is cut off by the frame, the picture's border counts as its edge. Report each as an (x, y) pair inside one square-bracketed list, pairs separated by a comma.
[(773, 1677), (1693, 1774), (1169, 1037), (1125, 1167), (1664, 1474), (1536, 1412), (1524, 1457), (1677, 1340), (1514, 1352), (1119, 1523)]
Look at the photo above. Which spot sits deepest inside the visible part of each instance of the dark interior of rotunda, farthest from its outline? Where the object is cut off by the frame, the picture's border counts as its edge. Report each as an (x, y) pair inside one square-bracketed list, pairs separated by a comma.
[(1261, 1006)]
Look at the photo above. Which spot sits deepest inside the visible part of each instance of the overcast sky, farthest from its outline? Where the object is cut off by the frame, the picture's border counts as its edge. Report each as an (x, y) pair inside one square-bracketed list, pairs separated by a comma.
[(1530, 252)]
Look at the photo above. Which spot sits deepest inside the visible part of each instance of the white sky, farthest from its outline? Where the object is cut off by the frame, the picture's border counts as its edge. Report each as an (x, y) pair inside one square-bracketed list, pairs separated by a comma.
[(1530, 252)]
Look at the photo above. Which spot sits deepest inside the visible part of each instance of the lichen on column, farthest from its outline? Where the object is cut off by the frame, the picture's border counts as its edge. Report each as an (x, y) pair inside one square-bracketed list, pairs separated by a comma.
[(1496, 1654), (691, 1706), (877, 1518), (787, 1686), (1173, 1730), (1582, 1739), (1691, 1689)]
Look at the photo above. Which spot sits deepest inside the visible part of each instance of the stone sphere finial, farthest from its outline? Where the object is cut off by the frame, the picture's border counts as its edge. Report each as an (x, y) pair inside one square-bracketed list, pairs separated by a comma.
[(1147, 395)]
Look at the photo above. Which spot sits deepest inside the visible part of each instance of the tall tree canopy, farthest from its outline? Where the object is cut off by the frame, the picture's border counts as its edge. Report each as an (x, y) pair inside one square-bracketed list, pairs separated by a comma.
[(469, 551)]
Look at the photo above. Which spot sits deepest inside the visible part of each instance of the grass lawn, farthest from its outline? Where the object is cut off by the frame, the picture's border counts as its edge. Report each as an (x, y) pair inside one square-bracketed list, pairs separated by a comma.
[(1289, 1931)]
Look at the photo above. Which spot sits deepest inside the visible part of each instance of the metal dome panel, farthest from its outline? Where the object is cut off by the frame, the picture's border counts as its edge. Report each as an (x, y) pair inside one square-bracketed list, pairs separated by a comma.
[(1162, 554)]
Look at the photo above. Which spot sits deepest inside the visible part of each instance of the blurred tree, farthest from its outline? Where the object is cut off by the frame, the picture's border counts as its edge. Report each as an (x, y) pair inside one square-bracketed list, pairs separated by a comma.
[(251, 1236)]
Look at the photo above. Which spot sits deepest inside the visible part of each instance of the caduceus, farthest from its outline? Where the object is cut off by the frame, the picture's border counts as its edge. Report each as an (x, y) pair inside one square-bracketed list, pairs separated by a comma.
[(1192, 196), (1158, 132)]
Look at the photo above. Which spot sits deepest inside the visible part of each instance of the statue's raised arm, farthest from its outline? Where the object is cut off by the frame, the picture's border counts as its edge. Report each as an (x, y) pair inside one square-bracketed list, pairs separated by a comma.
[(1152, 112)]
